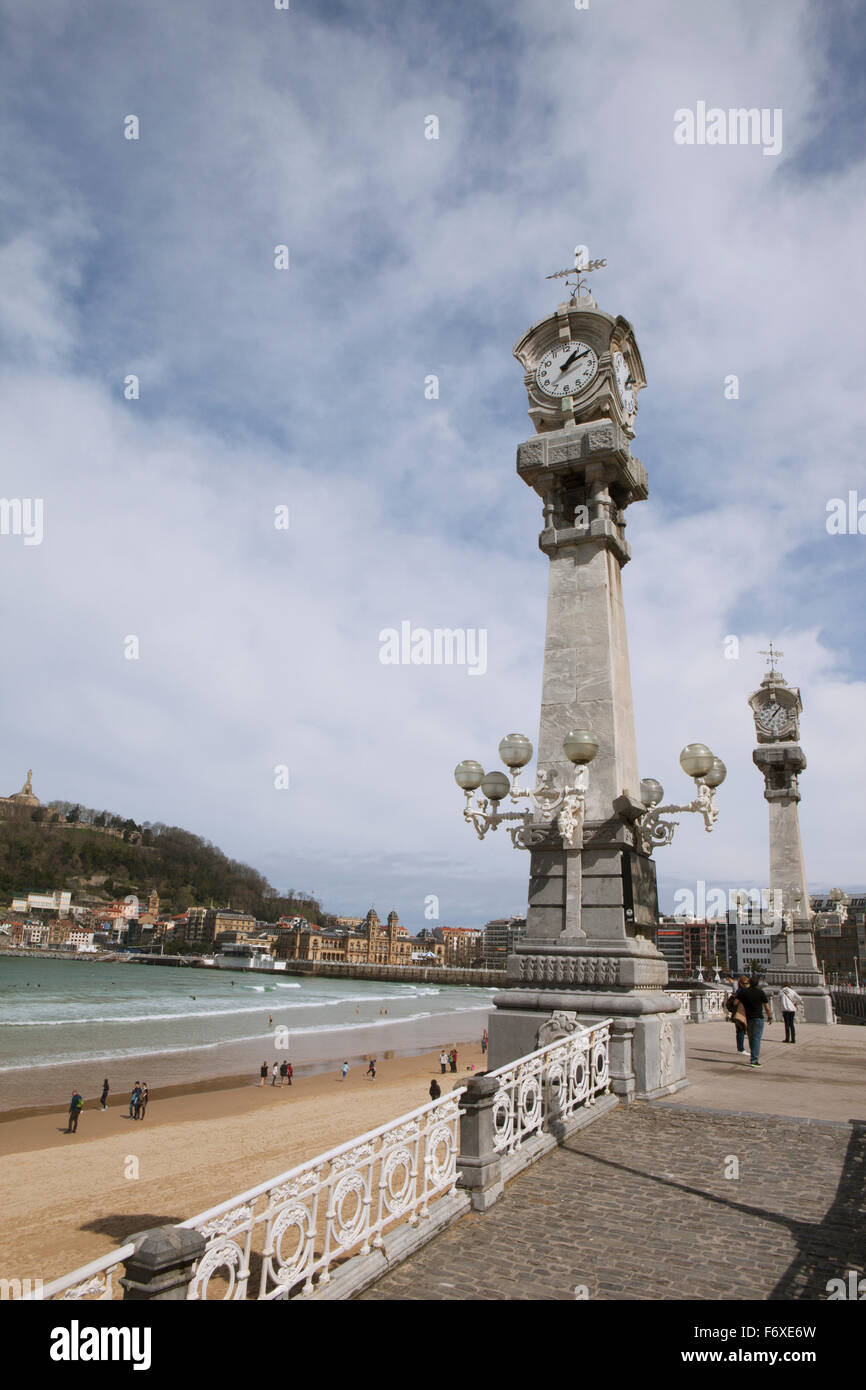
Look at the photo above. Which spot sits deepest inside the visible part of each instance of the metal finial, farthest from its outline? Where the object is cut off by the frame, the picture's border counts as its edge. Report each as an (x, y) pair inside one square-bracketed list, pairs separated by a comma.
[(582, 266), (771, 656)]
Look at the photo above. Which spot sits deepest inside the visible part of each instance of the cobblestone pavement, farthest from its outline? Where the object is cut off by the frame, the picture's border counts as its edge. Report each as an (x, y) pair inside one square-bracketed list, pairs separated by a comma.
[(637, 1206)]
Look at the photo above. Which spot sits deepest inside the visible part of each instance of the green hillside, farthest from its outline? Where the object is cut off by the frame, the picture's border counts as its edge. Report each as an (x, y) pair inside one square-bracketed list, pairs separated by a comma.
[(39, 855)]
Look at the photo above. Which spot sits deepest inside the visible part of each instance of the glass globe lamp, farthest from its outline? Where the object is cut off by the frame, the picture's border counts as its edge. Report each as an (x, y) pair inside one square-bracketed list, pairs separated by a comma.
[(580, 746), (495, 785), (515, 750), (696, 759), (651, 791), (469, 775)]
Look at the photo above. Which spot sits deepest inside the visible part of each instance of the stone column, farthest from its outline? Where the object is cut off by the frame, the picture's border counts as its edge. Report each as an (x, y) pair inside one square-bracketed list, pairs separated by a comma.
[(792, 949), (585, 949)]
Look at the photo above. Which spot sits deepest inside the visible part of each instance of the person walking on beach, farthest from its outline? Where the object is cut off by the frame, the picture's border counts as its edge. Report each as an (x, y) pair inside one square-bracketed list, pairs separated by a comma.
[(76, 1105), (757, 1006), (789, 999), (344, 1071), (453, 1059), (134, 1099), (435, 1089), (484, 1042), (142, 1101), (263, 1073), (443, 1060), (103, 1099), (270, 1019), (284, 1066), (275, 1071), (290, 1071), (371, 1070)]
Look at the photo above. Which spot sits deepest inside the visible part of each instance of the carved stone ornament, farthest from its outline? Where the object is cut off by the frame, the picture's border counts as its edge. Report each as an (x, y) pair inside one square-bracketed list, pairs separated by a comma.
[(561, 1024), (558, 972)]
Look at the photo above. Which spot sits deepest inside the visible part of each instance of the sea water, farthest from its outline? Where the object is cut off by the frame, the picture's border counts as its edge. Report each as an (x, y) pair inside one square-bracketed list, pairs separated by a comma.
[(69, 1022)]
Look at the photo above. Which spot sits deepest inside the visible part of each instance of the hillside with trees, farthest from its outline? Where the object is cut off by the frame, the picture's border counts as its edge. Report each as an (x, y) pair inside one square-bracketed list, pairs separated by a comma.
[(100, 857)]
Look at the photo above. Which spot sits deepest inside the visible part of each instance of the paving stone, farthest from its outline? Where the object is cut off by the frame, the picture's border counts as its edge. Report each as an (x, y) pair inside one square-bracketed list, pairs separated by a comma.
[(635, 1207)]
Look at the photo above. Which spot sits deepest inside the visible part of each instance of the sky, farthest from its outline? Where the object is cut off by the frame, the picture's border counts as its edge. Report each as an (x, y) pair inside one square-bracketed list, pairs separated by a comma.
[(299, 394)]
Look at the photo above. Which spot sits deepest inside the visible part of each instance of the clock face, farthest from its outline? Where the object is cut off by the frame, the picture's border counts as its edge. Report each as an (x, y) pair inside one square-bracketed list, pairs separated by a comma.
[(773, 718), (624, 389), (566, 369)]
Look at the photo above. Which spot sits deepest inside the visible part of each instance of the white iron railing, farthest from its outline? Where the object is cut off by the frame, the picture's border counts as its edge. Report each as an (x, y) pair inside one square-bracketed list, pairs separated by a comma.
[(699, 1005), (714, 1003), (685, 998), (287, 1235), (550, 1085), (93, 1282), (286, 1238)]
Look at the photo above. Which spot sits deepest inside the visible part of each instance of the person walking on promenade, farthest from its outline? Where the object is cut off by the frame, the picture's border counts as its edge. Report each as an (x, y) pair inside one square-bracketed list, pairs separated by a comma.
[(344, 1071), (134, 1099), (435, 1089), (290, 1071), (284, 1067), (142, 1101), (103, 1099), (484, 1042), (263, 1073), (443, 1060), (737, 1010), (757, 1006), (789, 999), (371, 1070), (275, 1071), (76, 1105), (453, 1059)]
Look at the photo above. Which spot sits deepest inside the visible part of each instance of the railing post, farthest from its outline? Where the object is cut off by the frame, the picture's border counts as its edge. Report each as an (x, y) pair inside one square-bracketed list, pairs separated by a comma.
[(479, 1163), (622, 1076), (162, 1263)]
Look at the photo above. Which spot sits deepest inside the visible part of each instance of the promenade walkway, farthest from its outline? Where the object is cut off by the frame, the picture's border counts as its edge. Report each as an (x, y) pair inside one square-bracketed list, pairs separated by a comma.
[(639, 1205)]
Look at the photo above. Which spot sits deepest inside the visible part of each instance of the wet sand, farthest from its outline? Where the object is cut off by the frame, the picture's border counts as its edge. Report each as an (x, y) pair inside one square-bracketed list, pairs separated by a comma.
[(69, 1198)]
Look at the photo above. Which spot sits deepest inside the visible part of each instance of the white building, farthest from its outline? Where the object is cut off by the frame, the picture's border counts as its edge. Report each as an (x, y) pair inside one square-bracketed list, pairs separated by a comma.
[(753, 943), (58, 901)]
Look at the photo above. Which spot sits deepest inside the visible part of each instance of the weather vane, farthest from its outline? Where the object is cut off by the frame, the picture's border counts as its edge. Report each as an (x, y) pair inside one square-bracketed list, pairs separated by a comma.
[(771, 658), (582, 266)]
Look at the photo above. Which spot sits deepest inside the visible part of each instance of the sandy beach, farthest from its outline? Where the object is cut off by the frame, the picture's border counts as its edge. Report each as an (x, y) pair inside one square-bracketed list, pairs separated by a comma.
[(67, 1199)]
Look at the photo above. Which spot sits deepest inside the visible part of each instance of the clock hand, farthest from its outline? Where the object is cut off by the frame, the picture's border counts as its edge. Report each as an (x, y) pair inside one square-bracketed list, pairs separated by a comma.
[(574, 356)]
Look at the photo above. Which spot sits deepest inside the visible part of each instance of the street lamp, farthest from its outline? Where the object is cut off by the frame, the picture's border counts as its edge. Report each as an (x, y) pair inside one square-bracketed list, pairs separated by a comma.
[(708, 771), (566, 806), (841, 902)]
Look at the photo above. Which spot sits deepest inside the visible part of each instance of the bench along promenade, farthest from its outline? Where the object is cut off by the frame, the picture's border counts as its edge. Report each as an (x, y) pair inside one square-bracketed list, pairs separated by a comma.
[(639, 1201)]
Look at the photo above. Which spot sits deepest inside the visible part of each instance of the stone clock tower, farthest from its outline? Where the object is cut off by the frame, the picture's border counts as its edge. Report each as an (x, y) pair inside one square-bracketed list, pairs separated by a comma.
[(776, 708), (592, 912)]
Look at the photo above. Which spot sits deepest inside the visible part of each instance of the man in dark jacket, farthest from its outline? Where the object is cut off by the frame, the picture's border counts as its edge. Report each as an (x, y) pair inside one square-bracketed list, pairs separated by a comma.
[(757, 1006), (76, 1105)]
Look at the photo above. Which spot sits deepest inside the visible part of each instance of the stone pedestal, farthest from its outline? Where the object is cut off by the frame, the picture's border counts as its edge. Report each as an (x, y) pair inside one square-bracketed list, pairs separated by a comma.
[(162, 1264)]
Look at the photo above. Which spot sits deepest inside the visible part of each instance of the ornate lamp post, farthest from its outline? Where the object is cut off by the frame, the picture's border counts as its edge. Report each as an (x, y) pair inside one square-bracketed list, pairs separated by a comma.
[(708, 772), (564, 806)]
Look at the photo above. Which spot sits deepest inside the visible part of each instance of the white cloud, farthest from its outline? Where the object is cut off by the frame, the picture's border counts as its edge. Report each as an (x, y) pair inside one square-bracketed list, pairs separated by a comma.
[(408, 257)]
